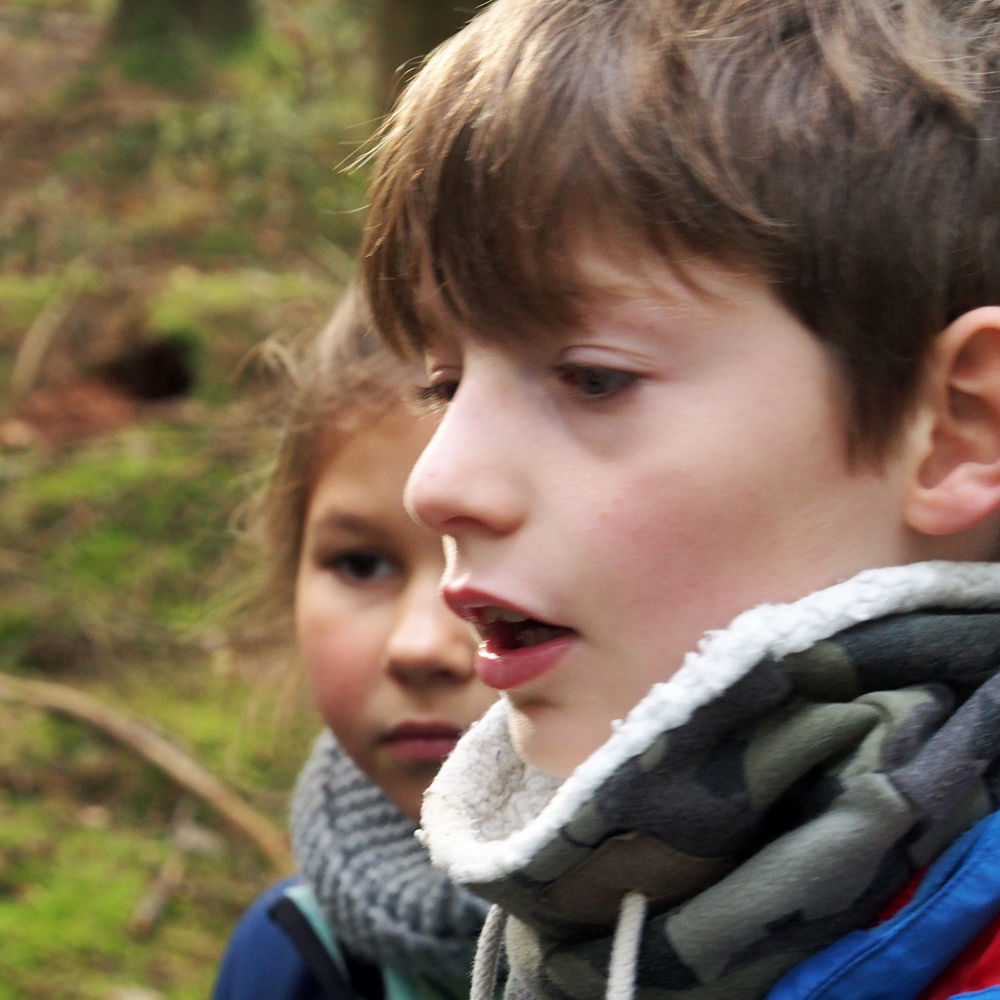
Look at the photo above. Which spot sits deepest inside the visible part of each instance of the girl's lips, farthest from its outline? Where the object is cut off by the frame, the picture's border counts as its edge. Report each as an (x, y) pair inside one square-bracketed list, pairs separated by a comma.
[(510, 668), (422, 742)]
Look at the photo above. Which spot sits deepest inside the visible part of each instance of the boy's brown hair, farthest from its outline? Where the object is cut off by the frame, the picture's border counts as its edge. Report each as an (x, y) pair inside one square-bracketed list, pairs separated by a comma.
[(847, 151)]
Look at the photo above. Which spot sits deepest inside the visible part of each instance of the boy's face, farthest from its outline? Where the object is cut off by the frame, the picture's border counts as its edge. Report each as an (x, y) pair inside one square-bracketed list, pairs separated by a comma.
[(675, 459)]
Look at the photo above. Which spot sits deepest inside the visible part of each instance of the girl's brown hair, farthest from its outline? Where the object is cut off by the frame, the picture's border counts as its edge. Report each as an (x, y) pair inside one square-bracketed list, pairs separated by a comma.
[(336, 382)]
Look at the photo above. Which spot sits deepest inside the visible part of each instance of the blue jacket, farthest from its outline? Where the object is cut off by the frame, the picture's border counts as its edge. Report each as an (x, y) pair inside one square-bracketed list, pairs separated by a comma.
[(899, 959), (273, 955), (283, 949)]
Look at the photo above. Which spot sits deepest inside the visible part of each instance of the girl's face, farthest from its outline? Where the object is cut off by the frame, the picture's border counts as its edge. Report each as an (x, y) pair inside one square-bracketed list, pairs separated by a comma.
[(391, 666)]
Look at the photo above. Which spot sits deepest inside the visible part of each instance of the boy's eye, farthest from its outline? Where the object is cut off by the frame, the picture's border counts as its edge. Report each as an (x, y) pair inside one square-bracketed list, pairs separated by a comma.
[(595, 382), (362, 566), (437, 394)]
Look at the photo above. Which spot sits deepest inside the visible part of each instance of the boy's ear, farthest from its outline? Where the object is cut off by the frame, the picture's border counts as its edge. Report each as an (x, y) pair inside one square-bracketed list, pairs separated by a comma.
[(954, 436)]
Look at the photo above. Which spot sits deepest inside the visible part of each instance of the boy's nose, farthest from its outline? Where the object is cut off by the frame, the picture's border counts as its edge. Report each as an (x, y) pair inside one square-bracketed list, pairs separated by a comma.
[(467, 480), (429, 646)]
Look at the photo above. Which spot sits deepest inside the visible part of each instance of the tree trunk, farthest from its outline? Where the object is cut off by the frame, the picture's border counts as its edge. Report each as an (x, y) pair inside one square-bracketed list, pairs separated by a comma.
[(219, 22), (407, 30)]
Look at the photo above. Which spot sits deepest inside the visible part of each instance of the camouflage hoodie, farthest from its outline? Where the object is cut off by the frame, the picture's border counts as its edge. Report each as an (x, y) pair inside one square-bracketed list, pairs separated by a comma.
[(769, 798)]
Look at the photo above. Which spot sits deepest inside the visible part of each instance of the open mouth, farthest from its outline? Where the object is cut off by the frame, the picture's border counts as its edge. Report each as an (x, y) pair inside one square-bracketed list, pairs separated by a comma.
[(514, 647), (503, 629)]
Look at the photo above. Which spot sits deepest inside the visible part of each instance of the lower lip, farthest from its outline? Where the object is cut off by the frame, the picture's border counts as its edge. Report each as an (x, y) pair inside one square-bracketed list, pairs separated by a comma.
[(504, 669), (422, 750)]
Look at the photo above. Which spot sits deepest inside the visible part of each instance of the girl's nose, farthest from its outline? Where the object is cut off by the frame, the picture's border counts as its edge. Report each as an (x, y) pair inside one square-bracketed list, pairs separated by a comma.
[(467, 479), (429, 646)]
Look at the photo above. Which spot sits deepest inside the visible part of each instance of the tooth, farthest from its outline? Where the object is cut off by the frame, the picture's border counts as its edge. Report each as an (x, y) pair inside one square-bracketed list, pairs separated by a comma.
[(493, 614), (510, 616)]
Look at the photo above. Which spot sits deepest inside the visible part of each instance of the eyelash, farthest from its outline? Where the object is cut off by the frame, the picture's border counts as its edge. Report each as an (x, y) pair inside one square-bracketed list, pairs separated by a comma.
[(435, 395), (576, 376), (356, 575)]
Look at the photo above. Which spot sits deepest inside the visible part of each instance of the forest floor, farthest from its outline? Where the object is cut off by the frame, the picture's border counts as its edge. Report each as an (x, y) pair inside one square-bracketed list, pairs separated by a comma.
[(158, 219)]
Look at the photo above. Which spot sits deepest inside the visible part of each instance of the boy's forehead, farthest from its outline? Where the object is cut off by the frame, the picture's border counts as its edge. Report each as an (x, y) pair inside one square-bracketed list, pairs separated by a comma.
[(606, 279)]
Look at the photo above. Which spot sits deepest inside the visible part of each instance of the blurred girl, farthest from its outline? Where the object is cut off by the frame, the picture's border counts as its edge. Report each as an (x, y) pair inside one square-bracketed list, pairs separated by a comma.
[(392, 672)]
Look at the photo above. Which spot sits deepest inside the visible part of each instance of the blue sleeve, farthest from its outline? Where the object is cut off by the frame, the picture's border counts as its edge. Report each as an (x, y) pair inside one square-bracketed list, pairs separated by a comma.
[(900, 958), (260, 962)]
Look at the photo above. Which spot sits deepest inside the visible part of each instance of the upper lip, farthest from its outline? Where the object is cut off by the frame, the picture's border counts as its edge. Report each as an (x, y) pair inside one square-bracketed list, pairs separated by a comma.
[(416, 729), (474, 605)]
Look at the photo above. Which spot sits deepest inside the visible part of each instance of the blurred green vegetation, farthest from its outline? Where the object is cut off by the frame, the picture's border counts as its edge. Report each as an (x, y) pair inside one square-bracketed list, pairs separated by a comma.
[(189, 196), (117, 543)]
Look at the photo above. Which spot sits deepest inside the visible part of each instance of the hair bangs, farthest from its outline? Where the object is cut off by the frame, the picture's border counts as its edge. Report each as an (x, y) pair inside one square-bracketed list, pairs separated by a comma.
[(500, 157)]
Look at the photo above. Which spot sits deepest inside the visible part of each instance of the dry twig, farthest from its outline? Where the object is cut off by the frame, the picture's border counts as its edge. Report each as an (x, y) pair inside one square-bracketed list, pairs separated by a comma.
[(34, 347), (158, 751), (170, 877)]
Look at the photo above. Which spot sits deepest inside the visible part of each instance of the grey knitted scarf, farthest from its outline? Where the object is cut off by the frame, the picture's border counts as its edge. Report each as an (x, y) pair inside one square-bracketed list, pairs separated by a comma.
[(373, 881)]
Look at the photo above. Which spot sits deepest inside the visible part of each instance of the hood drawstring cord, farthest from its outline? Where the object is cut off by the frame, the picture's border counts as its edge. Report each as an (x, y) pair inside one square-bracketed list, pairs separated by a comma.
[(621, 968), (487, 960), (625, 948)]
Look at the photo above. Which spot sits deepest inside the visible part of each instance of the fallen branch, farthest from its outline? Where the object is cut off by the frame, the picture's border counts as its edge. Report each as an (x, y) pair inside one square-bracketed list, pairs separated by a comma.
[(34, 347), (161, 753), (151, 908), (153, 905)]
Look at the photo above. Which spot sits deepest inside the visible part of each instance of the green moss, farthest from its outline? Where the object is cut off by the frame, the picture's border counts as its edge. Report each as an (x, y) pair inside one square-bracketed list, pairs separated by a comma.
[(191, 299), (66, 922), (211, 209), (98, 8), (117, 160), (126, 538), (229, 239), (69, 886), (22, 298)]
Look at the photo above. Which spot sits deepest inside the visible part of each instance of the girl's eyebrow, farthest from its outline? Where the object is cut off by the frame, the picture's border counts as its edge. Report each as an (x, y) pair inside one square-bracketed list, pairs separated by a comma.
[(337, 521)]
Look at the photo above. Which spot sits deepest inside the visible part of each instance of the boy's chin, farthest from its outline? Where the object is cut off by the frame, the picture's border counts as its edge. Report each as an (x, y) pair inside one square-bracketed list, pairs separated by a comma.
[(547, 738)]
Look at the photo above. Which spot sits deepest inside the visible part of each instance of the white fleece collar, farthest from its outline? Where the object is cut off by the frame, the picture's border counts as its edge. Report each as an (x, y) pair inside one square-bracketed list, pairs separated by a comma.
[(488, 813)]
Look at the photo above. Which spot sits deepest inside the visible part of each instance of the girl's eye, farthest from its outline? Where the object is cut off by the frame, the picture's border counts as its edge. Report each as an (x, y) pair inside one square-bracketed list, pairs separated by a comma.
[(595, 382), (436, 395), (362, 566)]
